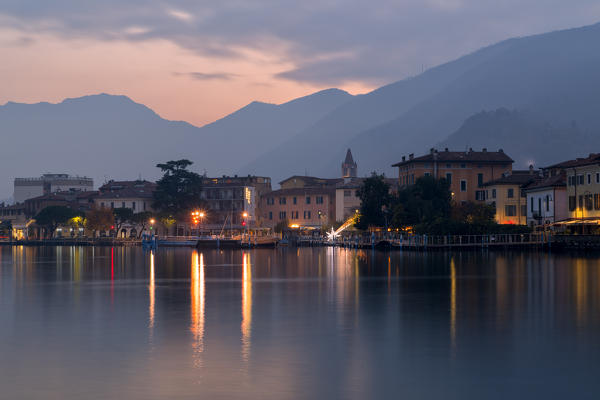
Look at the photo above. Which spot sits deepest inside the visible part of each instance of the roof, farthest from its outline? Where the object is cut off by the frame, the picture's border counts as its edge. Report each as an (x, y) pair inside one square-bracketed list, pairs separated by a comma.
[(355, 183), (349, 159), (126, 189), (551, 181), (328, 190), (593, 158), (482, 157), (520, 178), (313, 180)]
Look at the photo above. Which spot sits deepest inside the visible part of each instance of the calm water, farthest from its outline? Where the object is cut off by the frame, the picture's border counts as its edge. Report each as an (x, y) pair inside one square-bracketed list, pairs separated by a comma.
[(96, 323)]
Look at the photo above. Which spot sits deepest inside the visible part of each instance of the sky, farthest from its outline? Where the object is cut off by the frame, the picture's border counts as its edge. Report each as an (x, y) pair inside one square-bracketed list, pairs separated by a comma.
[(200, 60)]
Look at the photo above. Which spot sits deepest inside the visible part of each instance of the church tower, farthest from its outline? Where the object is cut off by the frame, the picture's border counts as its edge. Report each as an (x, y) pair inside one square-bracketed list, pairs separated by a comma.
[(349, 167)]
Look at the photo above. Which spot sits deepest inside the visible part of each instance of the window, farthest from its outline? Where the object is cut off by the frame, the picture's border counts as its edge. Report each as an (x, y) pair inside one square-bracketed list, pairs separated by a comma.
[(319, 200), (294, 200), (282, 200), (531, 207), (597, 177), (589, 202), (572, 203), (133, 205), (449, 178), (427, 174), (112, 204), (270, 214), (102, 205), (123, 205), (493, 193), (448, 165), (580, 201), (307, 199), (510, 210), (580, 180), (306, 214), (480, 180), (347, 193), (294, 215), (463, 165), (282, 215), (510, 193), (480, 195), (463, 185), (596, 201), (540, 205), (547, 203), (523, 210), (144, 206), (589, 179)]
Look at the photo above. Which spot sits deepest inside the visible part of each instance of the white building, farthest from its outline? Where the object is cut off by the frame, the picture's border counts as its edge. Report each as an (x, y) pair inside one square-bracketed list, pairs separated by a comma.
[(28, 188), (547, 201)]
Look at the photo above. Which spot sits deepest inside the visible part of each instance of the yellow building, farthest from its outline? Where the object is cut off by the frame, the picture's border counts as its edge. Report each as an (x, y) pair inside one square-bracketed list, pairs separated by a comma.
[(507, 195), (583, 187)]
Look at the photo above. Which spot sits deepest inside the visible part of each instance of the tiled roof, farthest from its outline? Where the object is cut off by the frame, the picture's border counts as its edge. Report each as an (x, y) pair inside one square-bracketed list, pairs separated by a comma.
[(520, 178), (593, 158), (301, 191), (126, 189), (313, 180), (460, 156), (551, 181)]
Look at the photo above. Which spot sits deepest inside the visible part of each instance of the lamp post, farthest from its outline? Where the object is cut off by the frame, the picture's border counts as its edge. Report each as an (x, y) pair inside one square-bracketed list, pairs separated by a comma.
[(244, 221)]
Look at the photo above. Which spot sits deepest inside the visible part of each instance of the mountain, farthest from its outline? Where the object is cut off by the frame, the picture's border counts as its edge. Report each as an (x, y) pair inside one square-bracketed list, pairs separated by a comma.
[(526, 137), (106, 136), (553, 75), (259, 127)]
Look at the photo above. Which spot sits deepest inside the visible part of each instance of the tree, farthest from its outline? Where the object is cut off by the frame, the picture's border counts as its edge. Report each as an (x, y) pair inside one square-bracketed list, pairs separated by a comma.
[(178, 191), (121, 216), (53, 216), (374, 197), (426, 201), (473, 213), (99, 219), (142, 219)]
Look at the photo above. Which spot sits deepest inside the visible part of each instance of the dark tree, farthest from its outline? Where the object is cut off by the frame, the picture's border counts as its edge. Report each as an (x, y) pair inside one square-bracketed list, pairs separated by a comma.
[(122, 215), (53, 216), (426, 201), (178, 191), (99, 219), (374, 202), (142, 219)]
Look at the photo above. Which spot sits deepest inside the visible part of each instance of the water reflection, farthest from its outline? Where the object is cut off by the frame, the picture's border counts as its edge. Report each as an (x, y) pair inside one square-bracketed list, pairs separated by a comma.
[(315, 323), (246, 326), (151, 293), (197, 306)]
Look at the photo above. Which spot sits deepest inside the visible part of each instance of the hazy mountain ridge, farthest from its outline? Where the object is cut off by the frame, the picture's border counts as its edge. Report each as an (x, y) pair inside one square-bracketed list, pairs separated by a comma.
[(112, 137), (525, 136), (554, 75)]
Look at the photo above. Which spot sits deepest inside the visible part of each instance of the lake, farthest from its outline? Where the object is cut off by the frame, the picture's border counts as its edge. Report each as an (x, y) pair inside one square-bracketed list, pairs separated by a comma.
[(306, 323)]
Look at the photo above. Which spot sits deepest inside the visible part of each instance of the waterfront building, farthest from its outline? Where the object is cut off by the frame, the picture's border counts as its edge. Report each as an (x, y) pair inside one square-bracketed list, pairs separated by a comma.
[(136, 195), (583, 187), (304, 201), (547, 200), (232, 201), (507, 195), (27, 188), (466, 171)]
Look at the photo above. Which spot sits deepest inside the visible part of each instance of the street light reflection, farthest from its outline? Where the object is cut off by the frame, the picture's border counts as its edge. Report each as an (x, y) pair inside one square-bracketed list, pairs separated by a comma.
[(246, 306), (197, 306)]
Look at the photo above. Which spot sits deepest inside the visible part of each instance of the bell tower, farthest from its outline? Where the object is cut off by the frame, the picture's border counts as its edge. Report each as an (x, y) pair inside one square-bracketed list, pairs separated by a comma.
[(349, 167)]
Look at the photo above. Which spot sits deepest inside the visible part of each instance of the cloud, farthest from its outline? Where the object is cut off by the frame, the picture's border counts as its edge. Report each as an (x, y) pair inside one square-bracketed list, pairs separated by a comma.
[(202, 76), (379, 41), (180, 15)]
